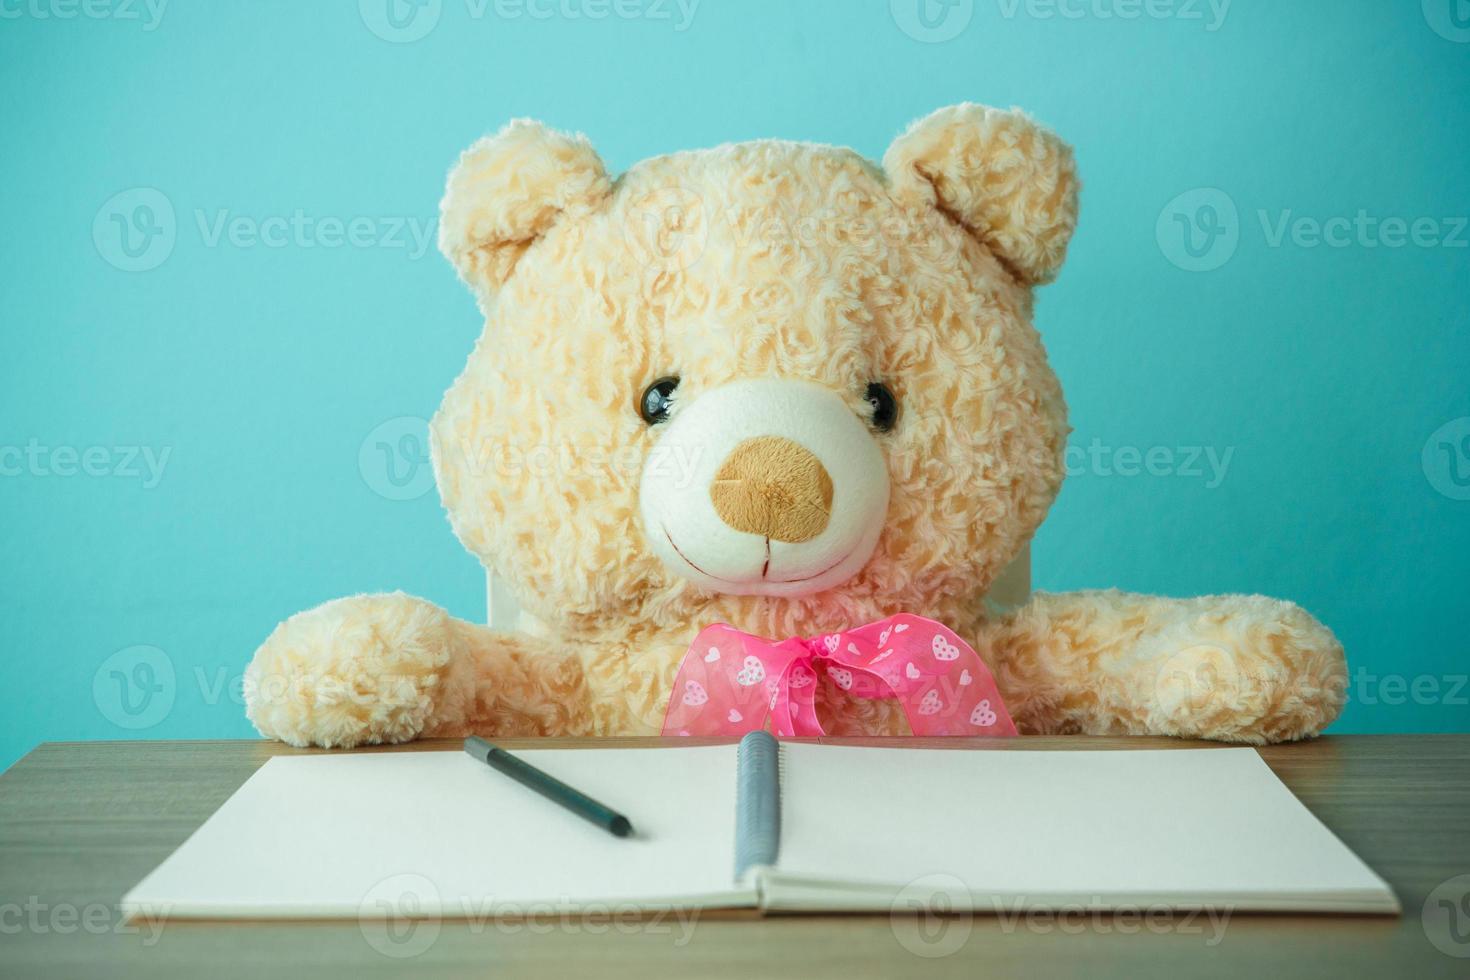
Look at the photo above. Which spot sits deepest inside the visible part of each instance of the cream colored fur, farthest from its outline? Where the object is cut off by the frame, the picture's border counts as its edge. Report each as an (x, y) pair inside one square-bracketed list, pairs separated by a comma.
[(767, 259)]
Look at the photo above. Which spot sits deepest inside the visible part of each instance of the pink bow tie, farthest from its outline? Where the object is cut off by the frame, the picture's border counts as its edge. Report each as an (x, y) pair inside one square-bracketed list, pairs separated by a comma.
[(730, 682)]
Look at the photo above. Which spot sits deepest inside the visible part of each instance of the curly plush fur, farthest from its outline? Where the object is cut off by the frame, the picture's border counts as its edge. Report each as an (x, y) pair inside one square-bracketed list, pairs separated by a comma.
[(767, 259)]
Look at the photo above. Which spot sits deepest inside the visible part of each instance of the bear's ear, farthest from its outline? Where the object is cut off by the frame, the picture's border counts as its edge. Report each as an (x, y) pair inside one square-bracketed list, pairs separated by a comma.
[(508, 190), (1008, 181)]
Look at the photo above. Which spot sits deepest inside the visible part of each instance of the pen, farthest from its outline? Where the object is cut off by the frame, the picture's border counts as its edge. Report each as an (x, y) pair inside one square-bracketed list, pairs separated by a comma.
[(548, 786)]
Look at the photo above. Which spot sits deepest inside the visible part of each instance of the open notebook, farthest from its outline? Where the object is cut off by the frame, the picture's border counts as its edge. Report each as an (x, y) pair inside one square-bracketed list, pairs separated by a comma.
[(794, 827)]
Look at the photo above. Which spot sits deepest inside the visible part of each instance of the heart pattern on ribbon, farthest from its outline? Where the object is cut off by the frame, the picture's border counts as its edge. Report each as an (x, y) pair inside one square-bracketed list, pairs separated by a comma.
[(731, 682), (752, 673), (983, 716), (944, 650)]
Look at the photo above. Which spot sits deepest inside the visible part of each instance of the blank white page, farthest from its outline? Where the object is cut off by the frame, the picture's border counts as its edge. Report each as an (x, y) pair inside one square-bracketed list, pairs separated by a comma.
[(1040, 828), (338, 834)]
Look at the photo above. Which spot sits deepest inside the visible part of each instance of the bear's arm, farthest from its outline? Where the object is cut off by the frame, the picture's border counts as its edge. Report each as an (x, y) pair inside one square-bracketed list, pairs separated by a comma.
[(373, 669), (1231, 667)]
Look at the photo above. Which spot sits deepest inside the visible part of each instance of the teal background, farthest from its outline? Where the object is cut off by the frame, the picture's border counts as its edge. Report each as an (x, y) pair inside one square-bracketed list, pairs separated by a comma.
[(264, 370)]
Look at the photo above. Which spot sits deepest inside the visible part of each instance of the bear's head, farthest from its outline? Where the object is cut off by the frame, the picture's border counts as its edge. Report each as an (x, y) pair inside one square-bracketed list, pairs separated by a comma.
[(769, 383)]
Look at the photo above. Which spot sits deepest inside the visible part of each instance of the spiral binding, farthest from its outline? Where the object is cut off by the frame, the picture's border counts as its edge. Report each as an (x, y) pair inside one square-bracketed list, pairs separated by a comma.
[(757, 802)]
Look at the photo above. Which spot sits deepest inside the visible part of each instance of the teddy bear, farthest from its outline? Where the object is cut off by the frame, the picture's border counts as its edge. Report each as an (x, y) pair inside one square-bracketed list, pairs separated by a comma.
[(777, 387)]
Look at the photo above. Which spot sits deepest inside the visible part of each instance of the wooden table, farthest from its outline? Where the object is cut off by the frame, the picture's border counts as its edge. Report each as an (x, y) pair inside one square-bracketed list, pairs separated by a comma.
[(80, 823)]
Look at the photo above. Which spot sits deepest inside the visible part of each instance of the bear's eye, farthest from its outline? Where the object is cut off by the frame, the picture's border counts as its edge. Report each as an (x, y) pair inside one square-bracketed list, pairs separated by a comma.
[(656, 399), (885, 406)]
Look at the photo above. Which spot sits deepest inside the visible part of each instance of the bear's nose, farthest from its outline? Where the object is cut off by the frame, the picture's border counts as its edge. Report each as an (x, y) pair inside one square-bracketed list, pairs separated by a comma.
[(773, 487)]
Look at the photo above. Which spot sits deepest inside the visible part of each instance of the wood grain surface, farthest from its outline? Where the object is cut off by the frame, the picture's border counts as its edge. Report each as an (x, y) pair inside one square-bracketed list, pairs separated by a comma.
[(80, 823)]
